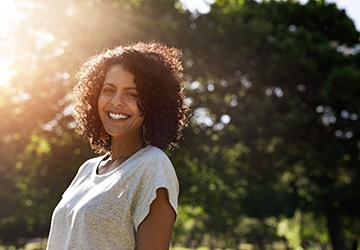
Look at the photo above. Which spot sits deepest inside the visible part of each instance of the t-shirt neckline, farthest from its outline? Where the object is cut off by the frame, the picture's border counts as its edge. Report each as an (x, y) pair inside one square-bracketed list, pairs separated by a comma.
[(121, 166)]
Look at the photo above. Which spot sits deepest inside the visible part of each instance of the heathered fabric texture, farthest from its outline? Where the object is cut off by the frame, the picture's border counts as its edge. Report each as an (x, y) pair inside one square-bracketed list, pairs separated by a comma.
[(104, 211)]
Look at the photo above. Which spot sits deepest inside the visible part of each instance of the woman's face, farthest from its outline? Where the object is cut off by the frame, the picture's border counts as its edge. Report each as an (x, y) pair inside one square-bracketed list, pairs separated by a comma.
[(118, 105)]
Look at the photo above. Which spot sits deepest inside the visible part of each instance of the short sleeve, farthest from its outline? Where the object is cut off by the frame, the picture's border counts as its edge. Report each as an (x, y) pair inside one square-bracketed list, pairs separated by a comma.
[(158, 173)]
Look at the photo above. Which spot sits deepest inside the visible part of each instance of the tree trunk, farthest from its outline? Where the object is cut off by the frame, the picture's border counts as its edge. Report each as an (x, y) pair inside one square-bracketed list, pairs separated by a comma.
[(355, 244), (335, 231)]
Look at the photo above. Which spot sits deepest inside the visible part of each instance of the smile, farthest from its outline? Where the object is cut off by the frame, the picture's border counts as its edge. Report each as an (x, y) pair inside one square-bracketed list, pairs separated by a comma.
[(118, 116)]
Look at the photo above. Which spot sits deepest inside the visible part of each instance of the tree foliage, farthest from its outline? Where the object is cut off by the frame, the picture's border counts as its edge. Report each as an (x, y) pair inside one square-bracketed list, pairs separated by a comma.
[(271, 72)]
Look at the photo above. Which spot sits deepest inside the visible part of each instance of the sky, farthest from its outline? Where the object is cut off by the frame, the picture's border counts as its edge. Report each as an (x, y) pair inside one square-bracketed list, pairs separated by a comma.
[(352, 7)]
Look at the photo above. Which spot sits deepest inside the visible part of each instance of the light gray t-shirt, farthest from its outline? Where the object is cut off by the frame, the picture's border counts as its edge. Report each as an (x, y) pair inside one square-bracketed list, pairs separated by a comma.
[(104, 211)]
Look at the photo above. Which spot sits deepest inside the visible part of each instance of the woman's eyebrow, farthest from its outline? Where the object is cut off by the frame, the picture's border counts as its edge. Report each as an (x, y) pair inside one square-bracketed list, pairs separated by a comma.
[(131, 88), (114, 86), (110, 84)]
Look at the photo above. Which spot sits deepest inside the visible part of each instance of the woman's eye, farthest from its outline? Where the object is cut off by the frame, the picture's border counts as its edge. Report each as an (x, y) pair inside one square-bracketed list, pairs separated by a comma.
[(107, 90), (133, 95)]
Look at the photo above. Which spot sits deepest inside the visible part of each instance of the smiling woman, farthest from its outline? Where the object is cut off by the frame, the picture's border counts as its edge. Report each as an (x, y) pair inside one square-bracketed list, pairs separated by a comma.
[(129, 106), (9, 15)]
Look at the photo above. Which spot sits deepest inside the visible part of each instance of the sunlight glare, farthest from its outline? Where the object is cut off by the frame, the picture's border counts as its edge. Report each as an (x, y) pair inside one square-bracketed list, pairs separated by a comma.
[(9, 14), (6, 73)]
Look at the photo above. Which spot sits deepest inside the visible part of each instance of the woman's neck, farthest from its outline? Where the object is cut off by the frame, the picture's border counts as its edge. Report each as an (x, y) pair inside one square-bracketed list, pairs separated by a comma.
[(124, 149)]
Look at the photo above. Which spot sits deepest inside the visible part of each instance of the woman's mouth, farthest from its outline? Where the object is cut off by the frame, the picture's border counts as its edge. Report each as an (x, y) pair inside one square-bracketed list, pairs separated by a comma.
[(116, 116)]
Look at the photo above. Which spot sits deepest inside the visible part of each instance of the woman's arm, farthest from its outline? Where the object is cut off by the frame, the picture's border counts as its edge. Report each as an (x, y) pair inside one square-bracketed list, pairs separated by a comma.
[(155, 230)]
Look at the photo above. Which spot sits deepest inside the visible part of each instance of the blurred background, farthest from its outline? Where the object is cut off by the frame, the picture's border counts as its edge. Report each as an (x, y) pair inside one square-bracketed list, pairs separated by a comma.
[(271, 158)]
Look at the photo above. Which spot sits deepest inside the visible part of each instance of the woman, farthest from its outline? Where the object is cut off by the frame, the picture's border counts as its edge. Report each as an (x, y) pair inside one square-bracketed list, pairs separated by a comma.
[(130, 107)]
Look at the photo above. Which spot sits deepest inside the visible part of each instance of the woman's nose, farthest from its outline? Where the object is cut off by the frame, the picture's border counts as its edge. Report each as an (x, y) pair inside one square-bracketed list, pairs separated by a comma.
[(118, 99)]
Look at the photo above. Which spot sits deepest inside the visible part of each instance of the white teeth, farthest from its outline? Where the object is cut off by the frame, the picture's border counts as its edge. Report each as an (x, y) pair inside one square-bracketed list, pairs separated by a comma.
[(117, 116)]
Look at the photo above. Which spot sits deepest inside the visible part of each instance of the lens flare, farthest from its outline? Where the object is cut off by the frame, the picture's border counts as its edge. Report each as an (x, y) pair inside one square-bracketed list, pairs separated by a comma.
[(9, 15)]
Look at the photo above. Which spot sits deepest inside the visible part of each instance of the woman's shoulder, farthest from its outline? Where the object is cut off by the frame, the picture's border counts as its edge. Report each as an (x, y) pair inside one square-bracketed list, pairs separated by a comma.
[(155, 154), (90, 163), (93, 160)]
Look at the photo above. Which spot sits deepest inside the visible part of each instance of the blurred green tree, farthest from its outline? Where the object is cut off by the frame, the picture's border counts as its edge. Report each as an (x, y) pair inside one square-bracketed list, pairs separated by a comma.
[(275, 112)]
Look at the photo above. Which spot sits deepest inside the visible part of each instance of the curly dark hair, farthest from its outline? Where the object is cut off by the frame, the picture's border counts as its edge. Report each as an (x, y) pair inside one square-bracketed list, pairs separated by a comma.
[(159, 79)]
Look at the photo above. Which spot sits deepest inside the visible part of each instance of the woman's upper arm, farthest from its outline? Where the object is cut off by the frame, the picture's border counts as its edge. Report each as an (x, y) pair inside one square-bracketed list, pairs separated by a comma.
[(155, 230)]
